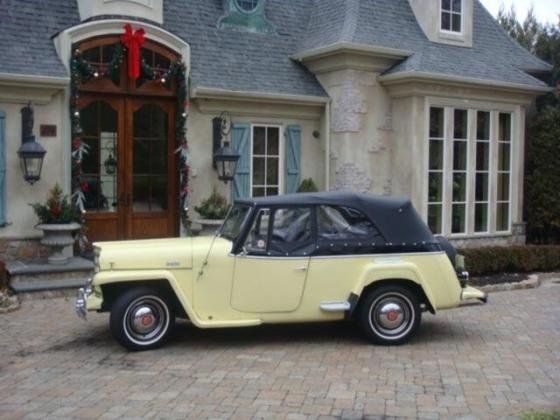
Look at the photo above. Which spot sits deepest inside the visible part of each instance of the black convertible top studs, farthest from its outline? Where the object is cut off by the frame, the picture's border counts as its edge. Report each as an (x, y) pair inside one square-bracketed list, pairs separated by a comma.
[(400, 228)]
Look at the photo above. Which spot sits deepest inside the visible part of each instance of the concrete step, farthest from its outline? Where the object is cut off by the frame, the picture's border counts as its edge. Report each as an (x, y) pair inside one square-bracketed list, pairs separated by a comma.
[(40, 276)]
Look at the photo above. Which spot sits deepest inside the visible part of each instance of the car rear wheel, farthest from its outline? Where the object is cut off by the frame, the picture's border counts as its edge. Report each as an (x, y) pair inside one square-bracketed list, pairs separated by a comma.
[(390, 315), (141, 319)]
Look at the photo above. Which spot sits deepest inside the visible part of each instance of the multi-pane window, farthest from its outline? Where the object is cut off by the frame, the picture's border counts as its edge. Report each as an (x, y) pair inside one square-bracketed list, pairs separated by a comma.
[(482, 171), (469, 171), (436, 170), (265, 161), (504, 172), (459, 195), (248, 5), (451, 15)]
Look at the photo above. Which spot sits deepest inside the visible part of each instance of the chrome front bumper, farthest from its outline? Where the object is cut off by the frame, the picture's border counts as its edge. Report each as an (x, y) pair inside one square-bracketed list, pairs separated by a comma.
[(80, 305), (81, 300)]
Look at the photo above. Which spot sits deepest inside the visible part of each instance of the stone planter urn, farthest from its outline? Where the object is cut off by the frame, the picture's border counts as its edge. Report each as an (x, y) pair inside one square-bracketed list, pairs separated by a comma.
[(208, 226), (59, 237)]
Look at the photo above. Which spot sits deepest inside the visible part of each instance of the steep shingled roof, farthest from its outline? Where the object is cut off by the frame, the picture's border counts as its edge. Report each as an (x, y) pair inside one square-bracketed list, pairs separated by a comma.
[(392, 24), (26, 28), (239, 61)]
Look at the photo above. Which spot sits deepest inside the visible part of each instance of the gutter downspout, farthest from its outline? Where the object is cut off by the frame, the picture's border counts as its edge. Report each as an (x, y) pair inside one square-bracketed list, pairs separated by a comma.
[(328, 145)]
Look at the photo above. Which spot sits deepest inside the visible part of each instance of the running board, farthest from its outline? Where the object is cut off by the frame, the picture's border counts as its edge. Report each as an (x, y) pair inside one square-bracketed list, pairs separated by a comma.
[(335, 306)]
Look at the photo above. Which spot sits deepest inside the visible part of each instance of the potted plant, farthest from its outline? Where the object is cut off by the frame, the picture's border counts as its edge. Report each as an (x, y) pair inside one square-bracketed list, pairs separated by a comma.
[(212, 213), (58, 219)]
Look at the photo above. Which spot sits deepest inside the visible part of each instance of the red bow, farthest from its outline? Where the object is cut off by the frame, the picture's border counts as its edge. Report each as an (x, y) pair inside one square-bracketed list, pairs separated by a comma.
[(133, 40)]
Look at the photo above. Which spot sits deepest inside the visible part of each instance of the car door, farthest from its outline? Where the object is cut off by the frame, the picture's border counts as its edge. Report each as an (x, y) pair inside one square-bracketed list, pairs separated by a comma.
[(271, 271)]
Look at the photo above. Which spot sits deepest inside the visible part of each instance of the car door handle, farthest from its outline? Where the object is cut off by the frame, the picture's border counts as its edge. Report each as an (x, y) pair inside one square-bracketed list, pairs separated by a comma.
[(300, 269)]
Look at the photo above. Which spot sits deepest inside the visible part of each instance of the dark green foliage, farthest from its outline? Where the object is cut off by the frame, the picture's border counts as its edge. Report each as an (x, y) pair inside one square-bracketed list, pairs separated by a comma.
[(542, 180), (307, 185), (214, 207), (57, 209), (512, 259), (542, 168)]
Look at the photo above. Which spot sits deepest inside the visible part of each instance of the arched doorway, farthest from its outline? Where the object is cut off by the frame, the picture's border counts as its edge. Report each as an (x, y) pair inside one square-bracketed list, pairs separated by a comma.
[(128, 134)]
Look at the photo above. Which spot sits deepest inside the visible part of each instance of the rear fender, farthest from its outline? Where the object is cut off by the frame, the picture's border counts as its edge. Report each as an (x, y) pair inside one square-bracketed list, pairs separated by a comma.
[(392, 270)]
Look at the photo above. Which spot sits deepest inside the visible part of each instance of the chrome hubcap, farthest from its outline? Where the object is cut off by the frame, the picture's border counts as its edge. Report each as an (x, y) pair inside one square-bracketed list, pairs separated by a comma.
[(143, 320), (146, 319), (391, 315)]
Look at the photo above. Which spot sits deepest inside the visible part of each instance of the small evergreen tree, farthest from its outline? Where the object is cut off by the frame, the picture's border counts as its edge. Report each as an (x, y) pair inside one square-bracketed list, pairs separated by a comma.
[(542, 168), (542, 180)]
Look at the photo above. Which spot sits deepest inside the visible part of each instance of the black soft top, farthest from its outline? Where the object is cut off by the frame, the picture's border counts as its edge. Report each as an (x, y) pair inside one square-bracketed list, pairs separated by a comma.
[(395, 217)]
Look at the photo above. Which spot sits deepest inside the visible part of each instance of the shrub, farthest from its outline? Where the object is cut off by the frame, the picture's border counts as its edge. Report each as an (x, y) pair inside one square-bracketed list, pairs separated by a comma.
[(57, 209), (512, 259), (307, 185), (214, 207)]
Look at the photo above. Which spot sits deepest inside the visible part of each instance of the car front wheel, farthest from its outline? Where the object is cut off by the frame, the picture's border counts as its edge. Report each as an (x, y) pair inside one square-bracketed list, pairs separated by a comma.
[(141, 319), (390, 315)]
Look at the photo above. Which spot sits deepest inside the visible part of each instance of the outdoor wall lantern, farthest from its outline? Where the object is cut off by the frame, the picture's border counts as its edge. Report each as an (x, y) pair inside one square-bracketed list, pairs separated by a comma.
[(31, 153), (225, 158), (226, 161)]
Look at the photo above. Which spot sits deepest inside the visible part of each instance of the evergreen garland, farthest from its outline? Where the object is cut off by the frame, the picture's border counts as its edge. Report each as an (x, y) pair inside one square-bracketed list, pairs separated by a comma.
[(81, 70)]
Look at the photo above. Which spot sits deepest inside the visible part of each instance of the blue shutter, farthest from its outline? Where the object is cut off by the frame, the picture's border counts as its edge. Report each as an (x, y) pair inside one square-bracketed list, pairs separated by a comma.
[(2, 169), (240, 141), (293, 157)]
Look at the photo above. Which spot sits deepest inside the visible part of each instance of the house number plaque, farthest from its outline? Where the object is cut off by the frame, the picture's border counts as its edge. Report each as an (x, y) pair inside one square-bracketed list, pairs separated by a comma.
[(48, 130)]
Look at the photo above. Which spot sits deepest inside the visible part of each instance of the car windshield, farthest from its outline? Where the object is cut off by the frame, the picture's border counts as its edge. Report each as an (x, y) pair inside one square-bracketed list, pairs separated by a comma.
[(234, 221)]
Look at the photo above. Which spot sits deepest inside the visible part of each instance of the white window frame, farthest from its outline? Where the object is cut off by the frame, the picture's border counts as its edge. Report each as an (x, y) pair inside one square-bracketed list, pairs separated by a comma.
[(509, 171), (453, 171), (281, 157), (462, 14), (491, 140), (449, 106), (443, 171)]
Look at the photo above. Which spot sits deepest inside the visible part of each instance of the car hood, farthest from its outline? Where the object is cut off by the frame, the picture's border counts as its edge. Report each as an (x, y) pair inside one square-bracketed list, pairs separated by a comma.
[(152, 254), (155, 254)]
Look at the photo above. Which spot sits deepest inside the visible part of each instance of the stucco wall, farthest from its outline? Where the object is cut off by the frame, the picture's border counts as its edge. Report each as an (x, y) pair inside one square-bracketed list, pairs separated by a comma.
[(362, 129), (204, 176), (18, 195)]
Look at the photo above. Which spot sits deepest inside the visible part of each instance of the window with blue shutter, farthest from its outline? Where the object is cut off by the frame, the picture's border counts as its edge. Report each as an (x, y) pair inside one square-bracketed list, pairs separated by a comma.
[(240, 141), (293, 157), (2, 169)]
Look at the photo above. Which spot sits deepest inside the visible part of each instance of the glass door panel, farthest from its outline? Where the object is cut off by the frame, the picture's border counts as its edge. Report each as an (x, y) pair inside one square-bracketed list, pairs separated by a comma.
[(102, 124), (150, 146), (152, 157), (100, 139)]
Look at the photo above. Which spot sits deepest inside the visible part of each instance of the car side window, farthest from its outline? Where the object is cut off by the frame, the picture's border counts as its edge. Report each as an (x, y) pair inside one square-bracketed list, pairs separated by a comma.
[(257, 239), (343, 230), (291, 232)]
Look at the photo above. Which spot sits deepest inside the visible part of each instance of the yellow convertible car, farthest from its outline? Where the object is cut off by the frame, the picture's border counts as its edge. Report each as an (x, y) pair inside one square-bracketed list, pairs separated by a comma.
[(283, 259)]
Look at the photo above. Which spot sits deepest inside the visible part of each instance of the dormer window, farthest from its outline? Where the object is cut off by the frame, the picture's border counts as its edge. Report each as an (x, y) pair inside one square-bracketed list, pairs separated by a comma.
[(451, 16), (246, 16), (247, 5)]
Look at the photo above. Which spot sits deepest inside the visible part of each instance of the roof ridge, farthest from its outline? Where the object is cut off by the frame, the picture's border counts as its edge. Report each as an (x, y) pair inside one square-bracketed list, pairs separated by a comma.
[(350, 24)]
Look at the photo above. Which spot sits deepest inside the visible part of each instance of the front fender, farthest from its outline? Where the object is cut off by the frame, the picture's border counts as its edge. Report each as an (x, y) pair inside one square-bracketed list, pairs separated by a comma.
[(111, 277), (393, 270)]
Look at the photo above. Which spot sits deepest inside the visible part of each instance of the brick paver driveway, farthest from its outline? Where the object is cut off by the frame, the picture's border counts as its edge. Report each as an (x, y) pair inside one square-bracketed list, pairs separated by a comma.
[(485, 361)]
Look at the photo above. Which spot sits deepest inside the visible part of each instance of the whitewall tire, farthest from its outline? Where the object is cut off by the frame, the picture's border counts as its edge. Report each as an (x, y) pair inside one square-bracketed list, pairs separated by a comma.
[(141, 319), (389, 315)]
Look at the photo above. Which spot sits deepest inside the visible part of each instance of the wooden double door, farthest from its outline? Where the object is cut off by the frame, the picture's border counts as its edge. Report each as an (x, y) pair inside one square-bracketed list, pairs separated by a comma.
[(129, 167)]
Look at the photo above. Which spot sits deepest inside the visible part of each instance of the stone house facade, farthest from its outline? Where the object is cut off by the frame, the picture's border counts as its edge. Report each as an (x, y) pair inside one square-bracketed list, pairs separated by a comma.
[(421, 98)]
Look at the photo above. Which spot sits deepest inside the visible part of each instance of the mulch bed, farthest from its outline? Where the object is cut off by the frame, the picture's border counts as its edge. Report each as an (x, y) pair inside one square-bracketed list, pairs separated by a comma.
[(498, 279)]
